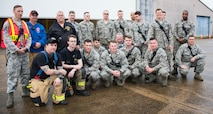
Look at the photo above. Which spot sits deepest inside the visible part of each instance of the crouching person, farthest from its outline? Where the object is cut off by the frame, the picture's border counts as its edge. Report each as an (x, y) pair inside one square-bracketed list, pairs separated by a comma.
[(47, 70), (115, 65), (133, 56), (155, 63), (190, 55), (91, 60), (72, 62)]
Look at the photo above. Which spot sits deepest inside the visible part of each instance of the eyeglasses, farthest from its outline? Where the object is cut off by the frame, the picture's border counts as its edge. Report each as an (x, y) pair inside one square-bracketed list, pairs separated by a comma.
[(106, 13)]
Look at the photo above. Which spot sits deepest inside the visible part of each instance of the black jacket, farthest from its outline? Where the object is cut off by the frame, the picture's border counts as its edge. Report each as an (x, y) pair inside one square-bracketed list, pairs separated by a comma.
[(61, 34)]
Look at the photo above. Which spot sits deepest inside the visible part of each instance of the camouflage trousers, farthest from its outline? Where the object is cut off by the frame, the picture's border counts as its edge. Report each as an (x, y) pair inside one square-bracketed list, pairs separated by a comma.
[(94, 75), (143, 49), (164, 72), (175, 49), (169, 57), (135, 72), (106, 76), (161, 75), (198, 64), (17, 67)]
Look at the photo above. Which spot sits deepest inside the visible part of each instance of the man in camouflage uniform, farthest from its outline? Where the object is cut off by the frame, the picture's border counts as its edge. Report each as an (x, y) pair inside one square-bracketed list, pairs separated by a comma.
[(71, 20), (115, 65), (97, 46), (90, 60), (119, 40), (190, 55), (182, 30), (155, 64), (17, 46), (87, 29), (121, 25), (139, 32), (105, 29), (133, 55), (162, 31), (130, 22)]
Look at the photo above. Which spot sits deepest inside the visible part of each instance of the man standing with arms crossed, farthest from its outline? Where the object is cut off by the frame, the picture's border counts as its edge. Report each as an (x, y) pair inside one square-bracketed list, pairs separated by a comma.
[(17, 40)]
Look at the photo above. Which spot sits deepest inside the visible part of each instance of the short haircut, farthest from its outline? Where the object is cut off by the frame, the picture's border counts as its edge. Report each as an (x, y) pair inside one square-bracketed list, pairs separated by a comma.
[(96, 39), (87, 41), (112, 41), (186, 11), (86, 12), (16, 6), (137, 13), (191, 36), (153, 39), (71, 35), (120, 11), (158, 9), (128, 36), (72, 12), (105, 11), (119, 34)]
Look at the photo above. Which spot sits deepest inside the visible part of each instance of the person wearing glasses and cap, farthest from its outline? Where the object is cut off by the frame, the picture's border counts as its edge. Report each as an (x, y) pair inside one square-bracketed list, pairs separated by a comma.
[(38, 34)]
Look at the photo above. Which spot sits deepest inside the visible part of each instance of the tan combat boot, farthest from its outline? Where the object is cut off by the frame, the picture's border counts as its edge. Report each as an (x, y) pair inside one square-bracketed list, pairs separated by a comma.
[(10, 101), (198, 76)]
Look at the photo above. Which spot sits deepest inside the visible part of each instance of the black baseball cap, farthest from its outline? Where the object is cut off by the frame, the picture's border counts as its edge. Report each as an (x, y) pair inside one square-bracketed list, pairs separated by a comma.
[(51, 40), (34, 12)]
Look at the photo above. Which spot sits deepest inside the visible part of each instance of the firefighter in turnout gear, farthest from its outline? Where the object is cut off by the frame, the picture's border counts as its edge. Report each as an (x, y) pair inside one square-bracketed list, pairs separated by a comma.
[(47, 69)]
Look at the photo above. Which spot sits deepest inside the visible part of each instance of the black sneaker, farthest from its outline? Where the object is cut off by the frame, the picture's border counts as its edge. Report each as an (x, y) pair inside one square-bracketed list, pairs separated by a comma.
[(82, 93), (64, 102)]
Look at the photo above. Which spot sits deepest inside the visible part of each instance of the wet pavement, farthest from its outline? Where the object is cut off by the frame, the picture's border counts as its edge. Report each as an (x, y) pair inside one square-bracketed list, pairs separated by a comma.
[(184, 96)]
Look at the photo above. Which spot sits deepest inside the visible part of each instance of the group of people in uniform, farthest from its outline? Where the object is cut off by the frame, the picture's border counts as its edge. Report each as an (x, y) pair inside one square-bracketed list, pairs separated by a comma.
[(72, 53)]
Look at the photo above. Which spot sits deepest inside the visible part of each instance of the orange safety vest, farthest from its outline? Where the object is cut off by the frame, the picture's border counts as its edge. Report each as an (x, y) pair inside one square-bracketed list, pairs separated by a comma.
[(2, 39), (13, 31)]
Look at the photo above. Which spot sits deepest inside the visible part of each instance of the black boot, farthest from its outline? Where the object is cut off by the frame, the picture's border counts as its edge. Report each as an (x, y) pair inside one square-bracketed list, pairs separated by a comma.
[(174, 72), (172, 77), (82, 92)]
